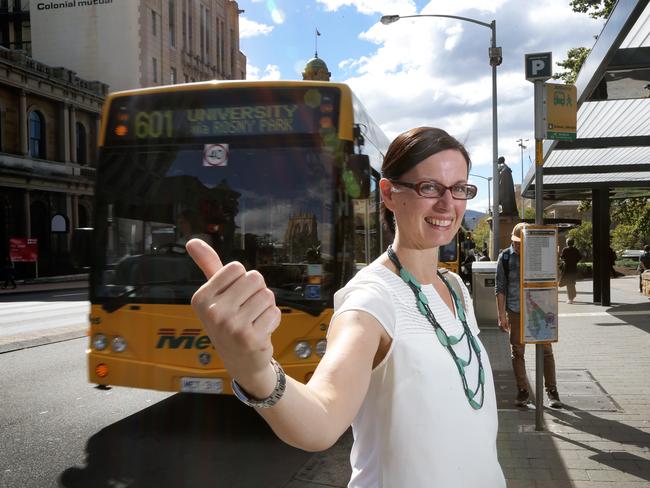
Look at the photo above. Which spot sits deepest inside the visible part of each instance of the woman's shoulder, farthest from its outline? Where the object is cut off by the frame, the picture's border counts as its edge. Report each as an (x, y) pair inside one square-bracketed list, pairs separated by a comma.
[(373, 273)]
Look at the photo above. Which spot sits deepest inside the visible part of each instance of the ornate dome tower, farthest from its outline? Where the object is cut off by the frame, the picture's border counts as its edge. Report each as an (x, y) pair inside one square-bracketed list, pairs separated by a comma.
[(316, 70)]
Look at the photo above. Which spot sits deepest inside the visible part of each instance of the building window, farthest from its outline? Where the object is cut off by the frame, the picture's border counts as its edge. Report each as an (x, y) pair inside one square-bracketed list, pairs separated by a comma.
[(172, 76), (233, 53), (36, 135), (223, 46), (153, 23), (190, 40), (154, 68), (184, 26), (202, 32), (172, 23), (81, 143)]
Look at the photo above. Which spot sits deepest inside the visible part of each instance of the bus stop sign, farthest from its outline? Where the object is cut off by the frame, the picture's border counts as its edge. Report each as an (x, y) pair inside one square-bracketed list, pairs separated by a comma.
[(539, 66), (560, 112)]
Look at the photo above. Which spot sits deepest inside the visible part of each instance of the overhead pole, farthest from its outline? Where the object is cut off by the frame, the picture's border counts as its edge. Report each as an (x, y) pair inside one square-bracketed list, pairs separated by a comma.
[(539, 68), (495, 58)]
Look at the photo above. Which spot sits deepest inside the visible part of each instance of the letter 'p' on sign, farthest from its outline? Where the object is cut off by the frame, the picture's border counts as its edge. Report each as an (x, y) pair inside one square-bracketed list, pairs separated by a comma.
[(539, 66)]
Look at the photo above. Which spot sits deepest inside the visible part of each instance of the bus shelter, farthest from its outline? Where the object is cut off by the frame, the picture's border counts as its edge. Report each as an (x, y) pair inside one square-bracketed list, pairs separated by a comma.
[(610, 158)]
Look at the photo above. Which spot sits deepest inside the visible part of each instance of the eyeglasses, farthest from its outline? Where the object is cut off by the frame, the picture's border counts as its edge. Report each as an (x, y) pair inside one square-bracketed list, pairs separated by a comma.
[(433, 189)]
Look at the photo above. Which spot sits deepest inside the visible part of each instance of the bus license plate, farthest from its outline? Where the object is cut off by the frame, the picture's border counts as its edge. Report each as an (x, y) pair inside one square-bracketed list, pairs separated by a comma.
[(201, 385)]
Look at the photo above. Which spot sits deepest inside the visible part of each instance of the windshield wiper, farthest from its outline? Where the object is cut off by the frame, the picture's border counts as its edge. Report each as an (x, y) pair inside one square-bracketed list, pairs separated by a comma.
[(118, 301)]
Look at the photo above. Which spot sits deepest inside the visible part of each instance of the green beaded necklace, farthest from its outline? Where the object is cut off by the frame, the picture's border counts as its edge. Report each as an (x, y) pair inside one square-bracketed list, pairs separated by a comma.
[(446, 340)]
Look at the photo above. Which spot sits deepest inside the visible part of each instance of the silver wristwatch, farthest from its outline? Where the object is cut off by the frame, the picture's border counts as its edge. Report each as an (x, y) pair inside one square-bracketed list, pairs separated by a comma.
[(275, 395)]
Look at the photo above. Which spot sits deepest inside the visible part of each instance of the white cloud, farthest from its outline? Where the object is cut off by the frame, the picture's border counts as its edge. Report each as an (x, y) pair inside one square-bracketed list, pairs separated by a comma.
[(435, 71), (270, 73), (250, 28), (369, 7)]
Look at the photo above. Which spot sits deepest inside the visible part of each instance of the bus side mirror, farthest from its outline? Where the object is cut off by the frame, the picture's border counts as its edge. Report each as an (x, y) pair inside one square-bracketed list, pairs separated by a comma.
[(81, 247), (357, 176)]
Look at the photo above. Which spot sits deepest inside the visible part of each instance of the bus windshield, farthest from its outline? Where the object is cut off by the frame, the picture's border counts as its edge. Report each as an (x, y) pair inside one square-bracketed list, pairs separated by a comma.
[(270, 208)]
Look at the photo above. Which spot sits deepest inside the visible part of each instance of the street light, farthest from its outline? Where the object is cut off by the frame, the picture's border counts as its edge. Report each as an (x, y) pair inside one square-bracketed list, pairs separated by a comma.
[(521, 188), (495, 59), (488, 178)]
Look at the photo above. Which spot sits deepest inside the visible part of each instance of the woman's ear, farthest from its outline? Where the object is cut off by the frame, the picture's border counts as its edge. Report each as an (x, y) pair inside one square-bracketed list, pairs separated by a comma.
[(386, 189)]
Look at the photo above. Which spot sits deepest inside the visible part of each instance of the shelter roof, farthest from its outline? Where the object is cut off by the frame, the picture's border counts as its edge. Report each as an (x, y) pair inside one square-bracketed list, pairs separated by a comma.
[(612, 148)]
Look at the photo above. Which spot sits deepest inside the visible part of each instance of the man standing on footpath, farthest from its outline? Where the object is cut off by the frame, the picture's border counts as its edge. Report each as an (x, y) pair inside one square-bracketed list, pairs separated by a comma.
[(507, 292)]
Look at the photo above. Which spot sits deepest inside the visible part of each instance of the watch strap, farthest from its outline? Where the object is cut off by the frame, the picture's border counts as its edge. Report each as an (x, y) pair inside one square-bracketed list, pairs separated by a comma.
[(275, 395)]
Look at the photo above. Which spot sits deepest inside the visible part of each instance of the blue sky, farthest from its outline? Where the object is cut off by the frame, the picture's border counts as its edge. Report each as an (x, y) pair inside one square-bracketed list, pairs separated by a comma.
[(426, 71)]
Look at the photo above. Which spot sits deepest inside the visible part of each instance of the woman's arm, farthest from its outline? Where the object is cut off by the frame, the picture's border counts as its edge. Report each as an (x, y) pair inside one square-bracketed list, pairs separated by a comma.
[(313, 416), (239, 315)]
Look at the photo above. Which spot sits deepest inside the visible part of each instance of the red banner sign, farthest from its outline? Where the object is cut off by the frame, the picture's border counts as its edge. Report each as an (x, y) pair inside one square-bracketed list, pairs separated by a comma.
[(23, 250)]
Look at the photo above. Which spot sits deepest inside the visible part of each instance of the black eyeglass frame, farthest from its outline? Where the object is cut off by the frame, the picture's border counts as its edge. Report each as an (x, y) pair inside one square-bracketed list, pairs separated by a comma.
[(416, 187)]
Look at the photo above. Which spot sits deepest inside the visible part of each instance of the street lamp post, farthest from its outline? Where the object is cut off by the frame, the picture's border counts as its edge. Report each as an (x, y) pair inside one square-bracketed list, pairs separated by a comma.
[(495, 59), (521, 188), (488, 179)]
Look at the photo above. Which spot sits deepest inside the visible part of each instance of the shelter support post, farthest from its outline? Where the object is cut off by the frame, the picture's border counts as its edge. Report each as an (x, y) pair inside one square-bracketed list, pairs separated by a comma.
[(601, 244)]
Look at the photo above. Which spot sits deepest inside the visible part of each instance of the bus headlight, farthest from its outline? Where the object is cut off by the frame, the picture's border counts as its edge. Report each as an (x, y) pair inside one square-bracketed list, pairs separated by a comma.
[(100, 342), (321, 346), (302, 349), (118, 344)]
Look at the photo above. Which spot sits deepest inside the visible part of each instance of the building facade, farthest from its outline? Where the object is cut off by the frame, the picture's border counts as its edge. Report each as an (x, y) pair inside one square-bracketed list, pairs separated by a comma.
[(140, 43), (15, 28), (50, 106), (49, 125)]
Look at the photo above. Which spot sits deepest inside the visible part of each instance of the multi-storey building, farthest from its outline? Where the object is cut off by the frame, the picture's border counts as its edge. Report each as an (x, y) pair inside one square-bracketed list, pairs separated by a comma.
[(129, 43), (50, 105), (15, 32), (49, 124)]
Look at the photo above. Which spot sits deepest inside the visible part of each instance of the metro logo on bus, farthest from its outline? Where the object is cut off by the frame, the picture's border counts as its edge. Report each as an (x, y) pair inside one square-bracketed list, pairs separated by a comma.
[(187, 339)]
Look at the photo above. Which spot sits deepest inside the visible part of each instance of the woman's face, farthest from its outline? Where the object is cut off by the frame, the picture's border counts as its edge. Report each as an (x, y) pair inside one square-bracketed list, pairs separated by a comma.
[(424, 223)]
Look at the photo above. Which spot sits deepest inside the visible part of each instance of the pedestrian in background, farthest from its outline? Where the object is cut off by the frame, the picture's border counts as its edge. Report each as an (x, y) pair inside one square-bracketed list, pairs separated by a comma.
[(404, 363), (466, 268), (570, 256), (611, 259), (644, 264), (9, 272), (507, 290)]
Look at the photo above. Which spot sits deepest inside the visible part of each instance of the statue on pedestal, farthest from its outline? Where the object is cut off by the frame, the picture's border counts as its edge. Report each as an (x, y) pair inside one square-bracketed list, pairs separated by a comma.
[(506, 189)]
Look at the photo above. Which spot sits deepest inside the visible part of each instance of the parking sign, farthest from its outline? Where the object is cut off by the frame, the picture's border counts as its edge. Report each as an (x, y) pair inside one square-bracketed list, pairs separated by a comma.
[(539, 66)]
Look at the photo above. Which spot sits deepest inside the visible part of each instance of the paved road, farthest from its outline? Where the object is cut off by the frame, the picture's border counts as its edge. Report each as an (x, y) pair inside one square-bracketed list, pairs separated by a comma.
[(60, 431), (41, 317)]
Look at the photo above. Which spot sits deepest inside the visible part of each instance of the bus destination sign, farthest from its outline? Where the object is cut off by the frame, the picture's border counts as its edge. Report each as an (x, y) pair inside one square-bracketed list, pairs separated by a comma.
[(256, 119), (138, 119)]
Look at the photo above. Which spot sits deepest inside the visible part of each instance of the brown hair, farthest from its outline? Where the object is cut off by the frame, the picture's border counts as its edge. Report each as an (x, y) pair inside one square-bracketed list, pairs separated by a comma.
[(408, 150)]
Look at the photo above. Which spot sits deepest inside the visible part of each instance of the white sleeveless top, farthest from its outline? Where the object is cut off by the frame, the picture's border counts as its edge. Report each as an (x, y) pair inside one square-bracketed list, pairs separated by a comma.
[(415, 427)]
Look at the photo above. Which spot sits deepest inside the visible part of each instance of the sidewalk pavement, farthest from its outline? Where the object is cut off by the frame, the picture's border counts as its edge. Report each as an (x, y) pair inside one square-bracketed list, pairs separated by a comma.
[(26, 323), (47, 283), (600, 440)]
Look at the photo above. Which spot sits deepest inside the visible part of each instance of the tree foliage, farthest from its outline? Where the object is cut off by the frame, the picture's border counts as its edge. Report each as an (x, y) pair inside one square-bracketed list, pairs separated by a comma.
[(583, 236), (596, 9), (632, 220), (481, 233), (576, 57)]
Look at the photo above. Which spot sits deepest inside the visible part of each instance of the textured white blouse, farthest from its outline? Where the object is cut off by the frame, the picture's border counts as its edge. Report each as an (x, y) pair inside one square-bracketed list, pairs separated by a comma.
[(415, 427)]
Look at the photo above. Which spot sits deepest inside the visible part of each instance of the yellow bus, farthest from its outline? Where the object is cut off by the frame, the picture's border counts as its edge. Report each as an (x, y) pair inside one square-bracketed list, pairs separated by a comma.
[(281, 176), (449, 255)]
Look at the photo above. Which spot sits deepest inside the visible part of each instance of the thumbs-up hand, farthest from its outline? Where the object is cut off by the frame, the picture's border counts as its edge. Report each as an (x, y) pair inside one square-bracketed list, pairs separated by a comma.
[(239, 315)]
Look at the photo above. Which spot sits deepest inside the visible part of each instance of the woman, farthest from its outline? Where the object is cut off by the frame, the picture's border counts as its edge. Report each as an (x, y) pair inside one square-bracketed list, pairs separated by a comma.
[(570, 257), (403, 365)]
